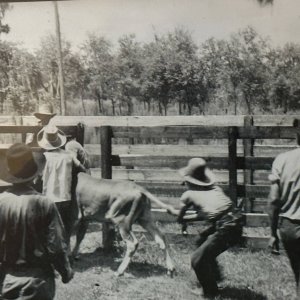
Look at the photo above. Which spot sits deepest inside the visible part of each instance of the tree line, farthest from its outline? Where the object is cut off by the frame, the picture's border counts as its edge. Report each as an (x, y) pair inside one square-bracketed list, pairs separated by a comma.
[(243, 74)]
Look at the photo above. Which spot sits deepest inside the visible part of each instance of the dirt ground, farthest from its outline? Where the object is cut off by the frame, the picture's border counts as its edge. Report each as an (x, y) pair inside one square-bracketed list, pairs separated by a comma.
[(247, 274)]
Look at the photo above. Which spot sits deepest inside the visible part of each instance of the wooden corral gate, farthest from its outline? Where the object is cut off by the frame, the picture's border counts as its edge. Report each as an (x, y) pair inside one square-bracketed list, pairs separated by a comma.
[(150, 150)]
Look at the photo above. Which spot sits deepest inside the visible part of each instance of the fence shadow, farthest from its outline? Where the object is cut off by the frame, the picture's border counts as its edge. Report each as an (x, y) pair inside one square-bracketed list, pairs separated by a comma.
[(236, 293)]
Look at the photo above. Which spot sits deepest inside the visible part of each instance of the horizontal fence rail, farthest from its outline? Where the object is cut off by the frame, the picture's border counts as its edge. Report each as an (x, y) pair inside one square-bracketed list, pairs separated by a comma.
[(239, 149)]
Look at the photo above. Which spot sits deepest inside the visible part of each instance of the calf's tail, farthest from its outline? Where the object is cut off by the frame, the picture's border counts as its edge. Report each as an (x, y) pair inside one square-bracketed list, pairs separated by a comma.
[(170, 209)]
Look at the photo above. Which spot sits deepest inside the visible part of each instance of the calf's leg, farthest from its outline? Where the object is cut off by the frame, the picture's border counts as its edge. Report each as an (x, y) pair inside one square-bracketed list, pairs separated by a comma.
[(131, 246), (81, 228), (159, 238)]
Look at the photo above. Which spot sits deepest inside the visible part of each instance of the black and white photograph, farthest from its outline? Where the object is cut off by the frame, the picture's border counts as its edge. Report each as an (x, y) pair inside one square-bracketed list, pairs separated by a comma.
[(149, 150)]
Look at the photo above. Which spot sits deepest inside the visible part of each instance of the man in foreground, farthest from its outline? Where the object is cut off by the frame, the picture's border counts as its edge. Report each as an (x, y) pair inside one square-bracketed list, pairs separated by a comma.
[(284, 199), (224, 227), (32, 238)]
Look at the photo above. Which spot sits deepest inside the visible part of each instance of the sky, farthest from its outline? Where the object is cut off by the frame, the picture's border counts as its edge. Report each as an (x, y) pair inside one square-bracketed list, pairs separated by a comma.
[(30, 21)]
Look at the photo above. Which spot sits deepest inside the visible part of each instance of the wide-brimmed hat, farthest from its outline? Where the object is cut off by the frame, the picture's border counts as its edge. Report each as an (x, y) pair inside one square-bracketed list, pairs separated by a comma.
[(192, 169), (45, 112), (18, 165), (50, 138)]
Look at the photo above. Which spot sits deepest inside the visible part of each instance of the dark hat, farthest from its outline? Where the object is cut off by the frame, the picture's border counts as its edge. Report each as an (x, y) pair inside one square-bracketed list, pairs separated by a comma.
[(19, 165), (193, 167), (50, 138)]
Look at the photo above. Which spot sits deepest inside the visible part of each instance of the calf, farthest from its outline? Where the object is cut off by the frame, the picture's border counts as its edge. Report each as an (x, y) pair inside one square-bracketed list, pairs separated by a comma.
[(123, 203)]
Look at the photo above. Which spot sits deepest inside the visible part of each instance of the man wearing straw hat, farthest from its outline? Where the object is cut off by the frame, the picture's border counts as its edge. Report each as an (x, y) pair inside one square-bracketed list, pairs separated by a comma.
[(44, 115), (32, 239), (57, 174), (213, 206)]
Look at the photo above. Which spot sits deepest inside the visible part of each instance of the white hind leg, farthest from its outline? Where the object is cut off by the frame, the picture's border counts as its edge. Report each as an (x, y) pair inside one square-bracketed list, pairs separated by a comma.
[(159, 238), (131, 246)]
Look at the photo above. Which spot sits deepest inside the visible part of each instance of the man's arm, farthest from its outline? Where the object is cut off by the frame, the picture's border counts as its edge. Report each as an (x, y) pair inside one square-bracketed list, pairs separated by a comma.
[(80, 156), (78, 164), (273, 211), (186, 203)]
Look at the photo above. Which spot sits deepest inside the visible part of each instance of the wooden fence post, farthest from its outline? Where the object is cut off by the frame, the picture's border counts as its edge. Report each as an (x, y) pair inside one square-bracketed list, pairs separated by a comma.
[(108, 231), (232, 163), (248, 174)]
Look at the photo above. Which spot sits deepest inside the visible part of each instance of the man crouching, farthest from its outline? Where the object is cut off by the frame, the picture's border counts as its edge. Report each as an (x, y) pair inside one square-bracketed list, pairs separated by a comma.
[(212, 205)]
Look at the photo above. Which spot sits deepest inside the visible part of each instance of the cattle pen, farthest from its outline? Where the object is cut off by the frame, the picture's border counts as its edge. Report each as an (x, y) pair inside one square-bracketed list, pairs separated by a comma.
[(149, 150)]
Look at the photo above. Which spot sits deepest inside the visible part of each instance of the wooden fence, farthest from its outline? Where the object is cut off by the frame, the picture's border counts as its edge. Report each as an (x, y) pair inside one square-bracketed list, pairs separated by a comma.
[(150, 150)]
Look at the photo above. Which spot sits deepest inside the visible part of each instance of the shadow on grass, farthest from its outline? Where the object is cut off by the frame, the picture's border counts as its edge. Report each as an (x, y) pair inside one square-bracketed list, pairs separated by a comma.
[(240, 293), (112, 260)]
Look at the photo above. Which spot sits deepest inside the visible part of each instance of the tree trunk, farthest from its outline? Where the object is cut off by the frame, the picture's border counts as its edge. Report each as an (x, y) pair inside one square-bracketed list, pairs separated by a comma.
[(285, 105), (160, 108), (120, 108), (203, 107), (83, 106), (190, 109), (113, 107), (100, 105), (129, 107), (248, 103), (165, 109)]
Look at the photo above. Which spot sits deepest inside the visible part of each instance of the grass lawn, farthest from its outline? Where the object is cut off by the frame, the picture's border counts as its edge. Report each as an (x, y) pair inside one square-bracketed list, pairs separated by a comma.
[(248, 274)]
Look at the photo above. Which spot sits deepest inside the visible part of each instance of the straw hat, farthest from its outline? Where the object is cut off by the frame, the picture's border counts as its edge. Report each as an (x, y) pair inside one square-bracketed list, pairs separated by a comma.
[(50, 138), (45, 112), (196, 172), (19, 165)]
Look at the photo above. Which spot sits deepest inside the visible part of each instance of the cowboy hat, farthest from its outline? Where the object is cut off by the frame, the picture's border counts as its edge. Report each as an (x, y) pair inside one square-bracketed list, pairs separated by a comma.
[(19, 164), (50, 138), (195, 165), (45, 112)]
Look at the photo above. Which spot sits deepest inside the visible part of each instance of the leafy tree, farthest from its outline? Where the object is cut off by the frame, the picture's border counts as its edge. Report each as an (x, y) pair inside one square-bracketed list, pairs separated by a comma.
[(99, 64), (237, 70), (172, 71), (4, 28), (284, 78), (74, 72), (129, 69), (5, 59), (25, 81)]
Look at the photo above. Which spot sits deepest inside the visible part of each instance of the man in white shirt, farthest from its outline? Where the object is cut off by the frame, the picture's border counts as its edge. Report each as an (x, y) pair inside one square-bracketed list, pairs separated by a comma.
[(57, 174)]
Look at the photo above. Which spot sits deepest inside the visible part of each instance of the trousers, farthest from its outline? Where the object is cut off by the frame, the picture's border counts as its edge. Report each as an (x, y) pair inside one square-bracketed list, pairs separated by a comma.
[(212, 242), (28, 284), (290, 237)]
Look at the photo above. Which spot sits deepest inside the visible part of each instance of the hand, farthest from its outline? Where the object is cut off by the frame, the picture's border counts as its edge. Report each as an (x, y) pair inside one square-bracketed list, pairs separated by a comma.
[(171, 210), (69, 276), (274, 245)]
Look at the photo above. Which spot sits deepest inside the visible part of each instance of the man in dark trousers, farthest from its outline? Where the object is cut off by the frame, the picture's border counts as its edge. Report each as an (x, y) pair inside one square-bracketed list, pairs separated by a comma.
[(224, 227), (32, 238), (284, 199)]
